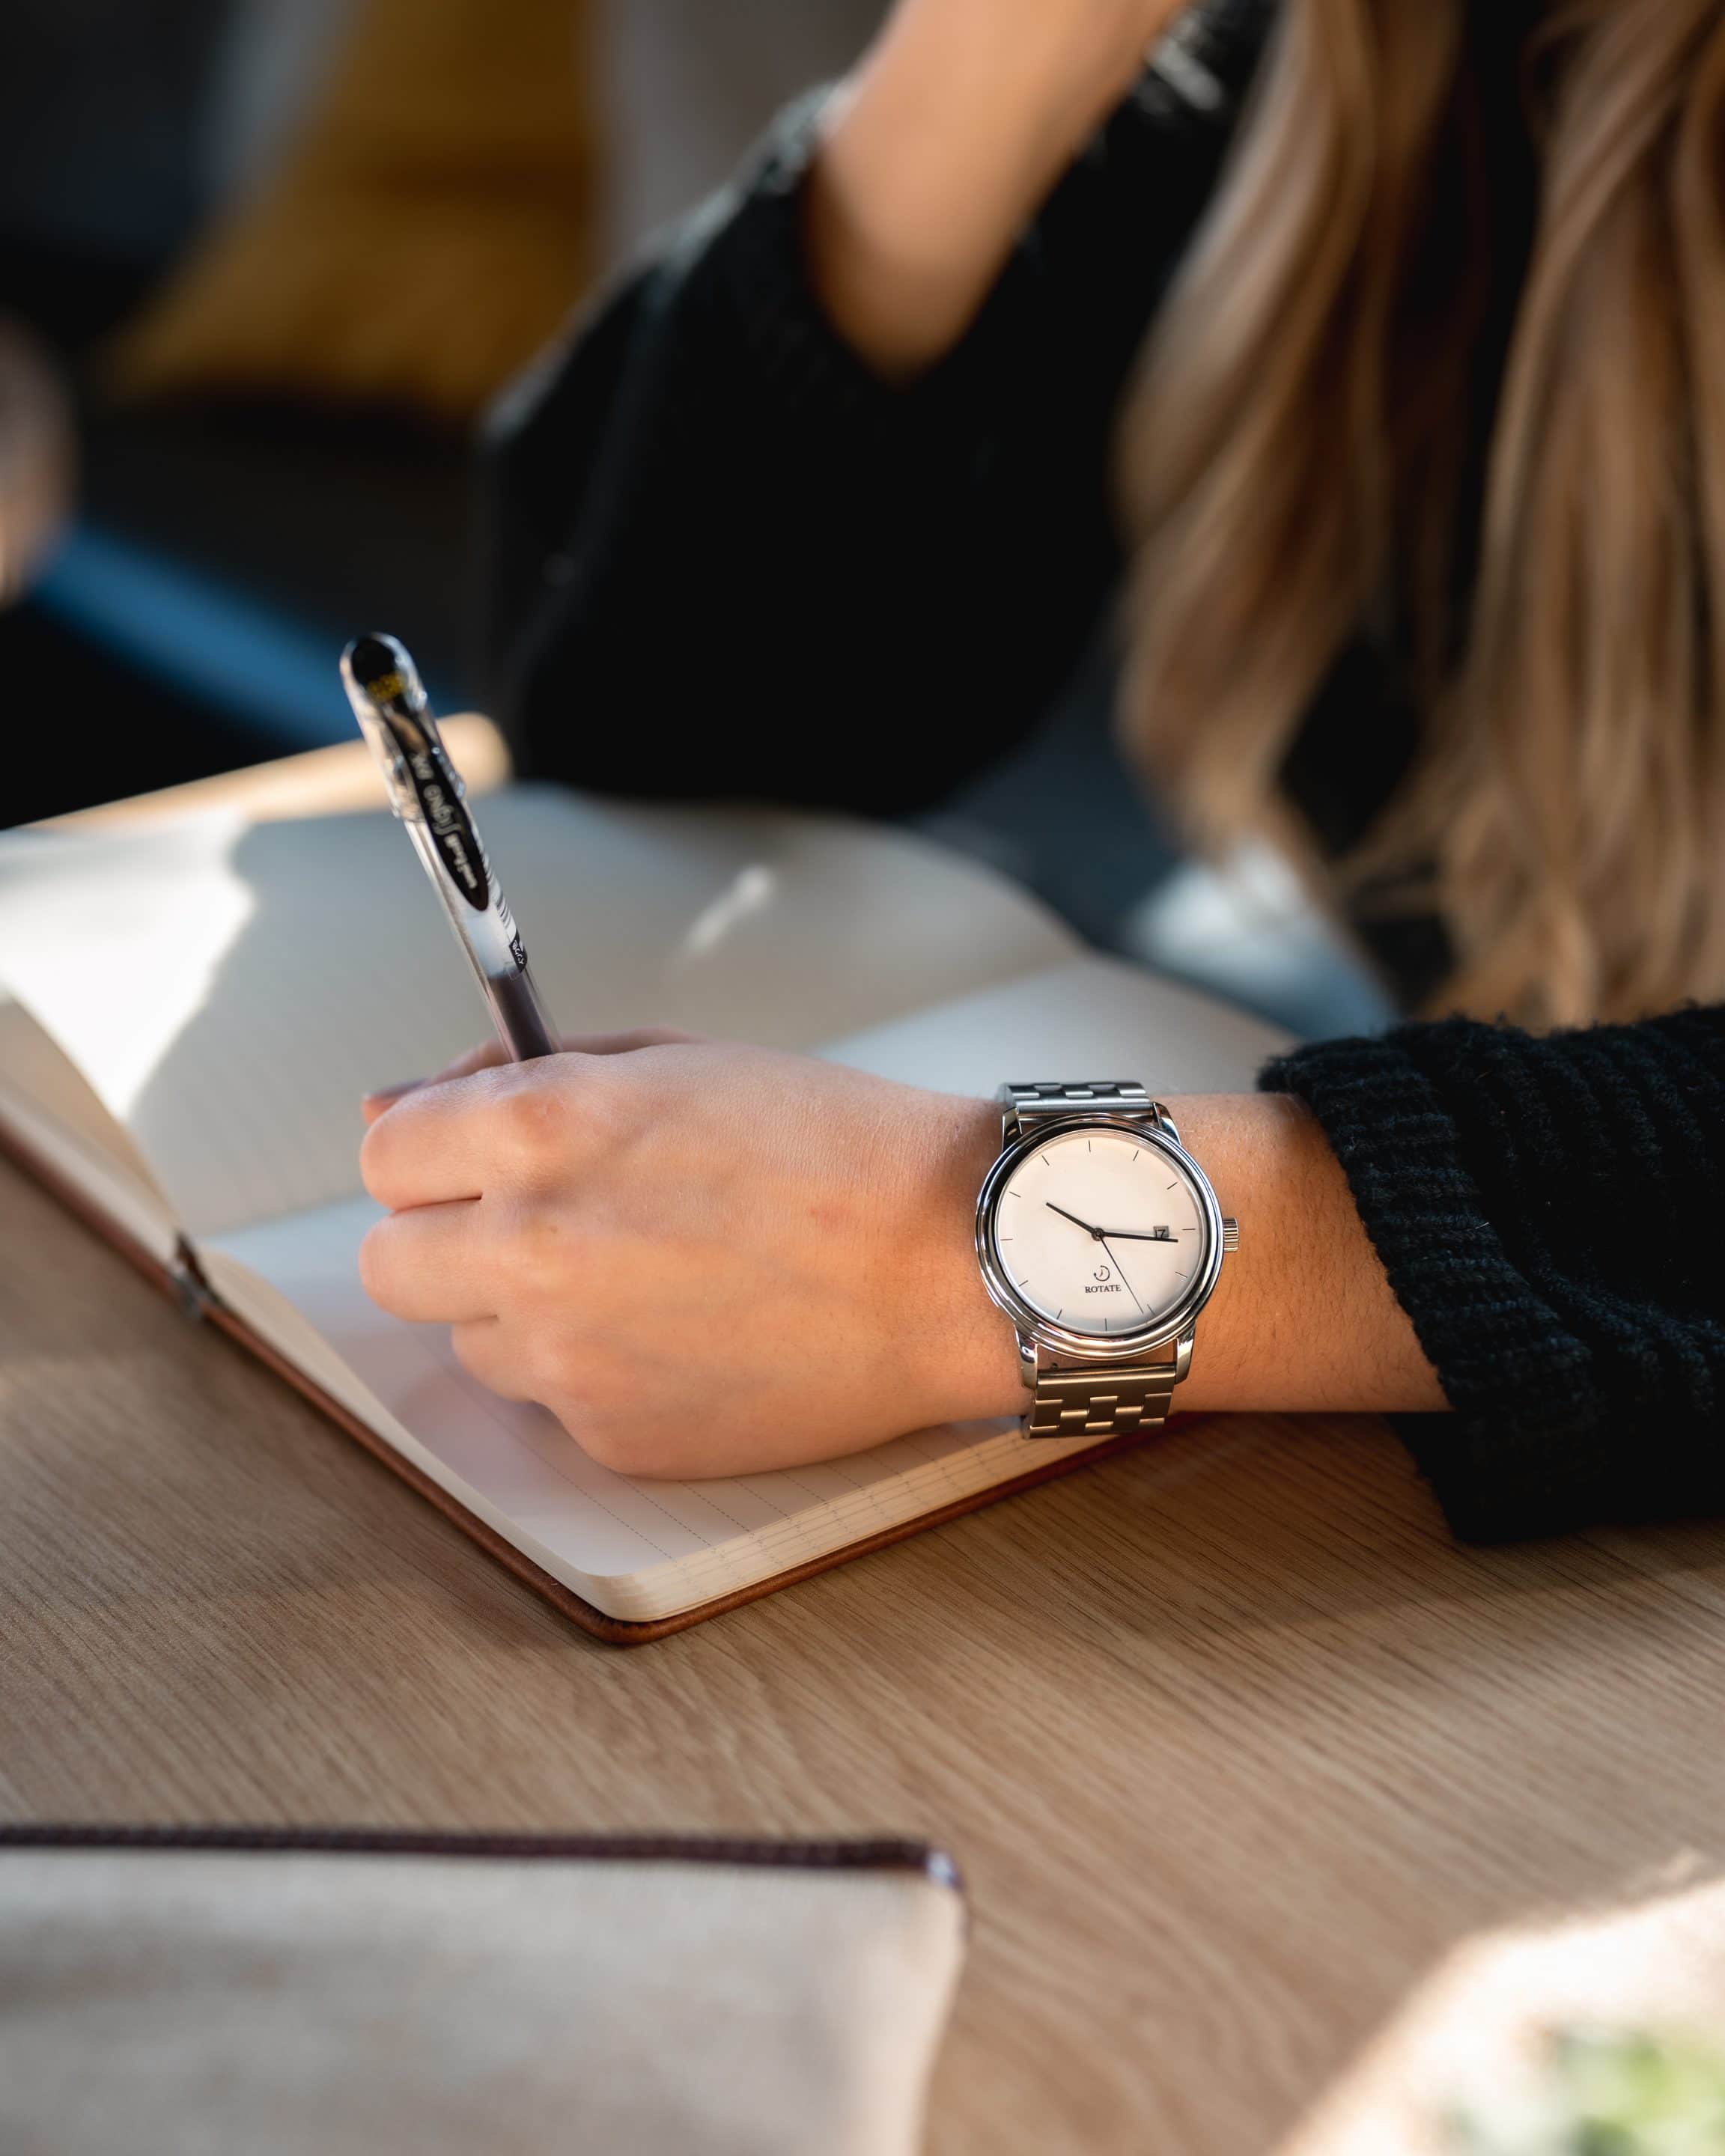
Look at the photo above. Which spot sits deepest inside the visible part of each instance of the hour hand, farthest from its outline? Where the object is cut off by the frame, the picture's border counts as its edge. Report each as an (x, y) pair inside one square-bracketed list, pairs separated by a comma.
[(1134, 1235), (1073, 1217)]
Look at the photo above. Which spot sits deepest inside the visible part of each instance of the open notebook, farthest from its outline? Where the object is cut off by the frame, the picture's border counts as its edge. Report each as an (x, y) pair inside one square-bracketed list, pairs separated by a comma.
[(189, 1013)]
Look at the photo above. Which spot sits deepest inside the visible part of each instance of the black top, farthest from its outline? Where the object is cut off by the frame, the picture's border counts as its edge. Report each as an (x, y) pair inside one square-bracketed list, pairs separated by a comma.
[(754, 569)]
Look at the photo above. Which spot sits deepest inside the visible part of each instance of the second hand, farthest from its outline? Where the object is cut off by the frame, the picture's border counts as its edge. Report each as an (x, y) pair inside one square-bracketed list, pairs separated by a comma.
[(1120, 1269)]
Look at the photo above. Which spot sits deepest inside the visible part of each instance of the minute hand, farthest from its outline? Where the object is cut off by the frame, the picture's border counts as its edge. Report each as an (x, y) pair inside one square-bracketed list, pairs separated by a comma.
[(1139, 1235)]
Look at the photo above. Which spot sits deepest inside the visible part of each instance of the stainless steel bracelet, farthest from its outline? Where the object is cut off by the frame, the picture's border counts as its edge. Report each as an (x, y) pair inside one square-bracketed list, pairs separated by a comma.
[(1027, 1105), (1099, 1403)]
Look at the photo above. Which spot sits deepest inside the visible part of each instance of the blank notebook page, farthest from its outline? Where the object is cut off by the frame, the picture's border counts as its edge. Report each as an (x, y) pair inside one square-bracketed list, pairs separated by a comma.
[(641, 1549), (229, 991)]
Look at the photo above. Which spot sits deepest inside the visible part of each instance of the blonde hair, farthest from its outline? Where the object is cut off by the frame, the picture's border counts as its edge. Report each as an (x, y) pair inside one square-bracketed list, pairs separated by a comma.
[(1291, 462)]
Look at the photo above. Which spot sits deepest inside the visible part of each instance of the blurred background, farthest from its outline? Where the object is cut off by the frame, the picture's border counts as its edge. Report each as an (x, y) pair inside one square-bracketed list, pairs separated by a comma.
[(226, 444)]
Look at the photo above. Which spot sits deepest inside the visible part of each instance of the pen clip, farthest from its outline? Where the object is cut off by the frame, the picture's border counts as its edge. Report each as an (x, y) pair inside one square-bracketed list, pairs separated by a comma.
[(425, 788), (395, 715)]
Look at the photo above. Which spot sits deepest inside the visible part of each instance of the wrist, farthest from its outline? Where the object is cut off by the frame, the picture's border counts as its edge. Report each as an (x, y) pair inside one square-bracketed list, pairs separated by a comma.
[(1303, 1318), (958, 1352)]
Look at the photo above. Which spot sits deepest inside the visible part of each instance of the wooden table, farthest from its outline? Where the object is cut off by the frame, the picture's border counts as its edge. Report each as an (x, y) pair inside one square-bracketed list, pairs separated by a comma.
[(1232, 1743)]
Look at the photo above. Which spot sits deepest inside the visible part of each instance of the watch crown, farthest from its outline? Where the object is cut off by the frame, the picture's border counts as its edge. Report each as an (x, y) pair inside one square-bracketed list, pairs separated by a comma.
[(1231, 1235)]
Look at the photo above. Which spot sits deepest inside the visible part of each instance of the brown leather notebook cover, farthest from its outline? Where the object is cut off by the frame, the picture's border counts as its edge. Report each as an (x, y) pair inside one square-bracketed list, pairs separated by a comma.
[(188, 1289)]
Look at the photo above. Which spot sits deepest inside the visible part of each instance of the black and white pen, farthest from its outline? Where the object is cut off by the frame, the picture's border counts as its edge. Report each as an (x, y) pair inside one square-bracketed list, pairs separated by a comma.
[(426, 792)]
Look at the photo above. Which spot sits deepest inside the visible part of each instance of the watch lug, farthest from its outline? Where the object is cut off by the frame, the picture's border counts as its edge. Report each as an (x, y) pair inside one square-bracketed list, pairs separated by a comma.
[(1011, 1128), (1028, 1362), (1182, 1356), (1164, 1120)]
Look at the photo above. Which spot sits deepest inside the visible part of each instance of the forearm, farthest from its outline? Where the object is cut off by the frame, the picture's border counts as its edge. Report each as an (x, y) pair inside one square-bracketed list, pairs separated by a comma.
[(1303, 1317), (1546, 1210), (941, 147), (711, 447)]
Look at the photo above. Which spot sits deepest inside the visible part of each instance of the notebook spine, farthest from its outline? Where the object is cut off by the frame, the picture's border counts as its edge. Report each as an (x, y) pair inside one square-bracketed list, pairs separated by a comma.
[(196, 1297)]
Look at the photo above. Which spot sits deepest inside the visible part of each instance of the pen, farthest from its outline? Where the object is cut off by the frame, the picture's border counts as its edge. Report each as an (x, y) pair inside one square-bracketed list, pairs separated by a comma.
[(426, 792)]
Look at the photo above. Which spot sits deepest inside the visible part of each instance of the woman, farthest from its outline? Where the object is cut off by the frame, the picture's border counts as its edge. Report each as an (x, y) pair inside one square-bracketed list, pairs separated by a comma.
[(1422, 479)]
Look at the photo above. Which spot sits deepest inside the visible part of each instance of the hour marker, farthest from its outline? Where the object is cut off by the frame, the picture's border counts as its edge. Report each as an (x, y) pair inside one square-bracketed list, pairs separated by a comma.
[(1183, 1275), (1173, 1186), (1135, 1150), (1087, 1146)]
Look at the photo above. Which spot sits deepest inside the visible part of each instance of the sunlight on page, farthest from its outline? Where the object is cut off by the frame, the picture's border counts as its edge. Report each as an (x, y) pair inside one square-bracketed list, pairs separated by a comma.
[(230, 992), (752, 890), (186, 905)]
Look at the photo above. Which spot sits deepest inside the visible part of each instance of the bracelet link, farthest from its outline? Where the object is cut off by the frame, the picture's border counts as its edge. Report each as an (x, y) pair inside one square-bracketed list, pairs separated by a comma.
[(1025, 1105), (1101, 1403)]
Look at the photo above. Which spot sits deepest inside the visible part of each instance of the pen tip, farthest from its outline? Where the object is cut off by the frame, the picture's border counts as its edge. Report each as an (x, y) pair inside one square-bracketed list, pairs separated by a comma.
[(383, 668)]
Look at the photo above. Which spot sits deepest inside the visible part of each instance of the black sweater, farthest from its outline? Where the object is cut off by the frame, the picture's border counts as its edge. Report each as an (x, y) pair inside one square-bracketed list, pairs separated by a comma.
[(754, 569)]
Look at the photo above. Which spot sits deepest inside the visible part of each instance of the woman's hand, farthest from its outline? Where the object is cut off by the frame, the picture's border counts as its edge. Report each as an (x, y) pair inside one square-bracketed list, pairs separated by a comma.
[(703, 1258), (941, 147)]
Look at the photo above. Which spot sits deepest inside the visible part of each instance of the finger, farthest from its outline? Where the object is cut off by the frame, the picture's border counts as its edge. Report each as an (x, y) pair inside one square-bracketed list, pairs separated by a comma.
[(492, 1132), (428, 1148), (375, 1103), (483, 1348), (381, 1098), (426, 1265), (489, 1054)]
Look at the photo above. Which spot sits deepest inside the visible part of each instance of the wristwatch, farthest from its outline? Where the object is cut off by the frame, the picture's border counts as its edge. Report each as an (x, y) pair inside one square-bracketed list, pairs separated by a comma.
[(1101, 1238)]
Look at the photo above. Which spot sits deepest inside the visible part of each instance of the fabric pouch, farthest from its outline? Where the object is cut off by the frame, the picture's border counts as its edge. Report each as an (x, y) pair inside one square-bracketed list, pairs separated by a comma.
[(177, 1994)]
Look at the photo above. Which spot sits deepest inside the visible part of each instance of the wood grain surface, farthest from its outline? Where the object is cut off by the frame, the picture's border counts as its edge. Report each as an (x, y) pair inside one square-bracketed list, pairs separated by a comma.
[(1233, 1744)]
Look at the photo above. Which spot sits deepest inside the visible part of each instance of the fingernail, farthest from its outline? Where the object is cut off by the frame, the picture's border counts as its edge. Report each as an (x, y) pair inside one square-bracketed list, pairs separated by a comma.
[(392, 1092)]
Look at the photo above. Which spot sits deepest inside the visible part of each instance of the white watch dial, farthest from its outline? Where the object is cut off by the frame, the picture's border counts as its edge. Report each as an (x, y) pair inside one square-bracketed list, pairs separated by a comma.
[(1100, 1231)]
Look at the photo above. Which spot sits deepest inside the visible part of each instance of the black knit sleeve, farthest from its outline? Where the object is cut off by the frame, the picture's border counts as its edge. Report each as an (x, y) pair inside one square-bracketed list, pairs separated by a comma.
[(726, 558), (1549, 1213)]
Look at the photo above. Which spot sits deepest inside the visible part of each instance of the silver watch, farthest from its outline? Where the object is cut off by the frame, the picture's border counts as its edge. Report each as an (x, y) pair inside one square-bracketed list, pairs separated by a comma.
[(1101, 1238)]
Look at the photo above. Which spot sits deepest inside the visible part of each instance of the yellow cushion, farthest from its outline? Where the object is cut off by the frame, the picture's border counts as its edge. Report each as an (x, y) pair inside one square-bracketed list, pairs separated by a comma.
[(427, 233)]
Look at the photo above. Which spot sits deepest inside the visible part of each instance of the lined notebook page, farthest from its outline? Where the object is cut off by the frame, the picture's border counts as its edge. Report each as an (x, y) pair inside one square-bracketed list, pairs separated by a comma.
[(229, 992), (638, 1550)]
